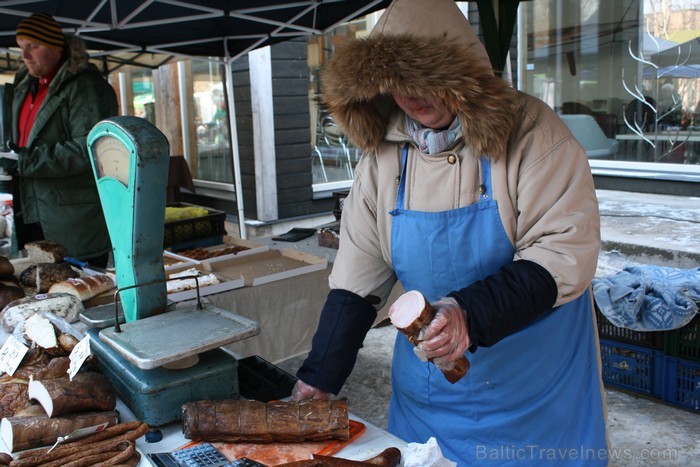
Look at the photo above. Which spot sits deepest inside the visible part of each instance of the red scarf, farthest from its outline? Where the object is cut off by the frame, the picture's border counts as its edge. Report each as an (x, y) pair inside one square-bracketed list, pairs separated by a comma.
[(31, 105)]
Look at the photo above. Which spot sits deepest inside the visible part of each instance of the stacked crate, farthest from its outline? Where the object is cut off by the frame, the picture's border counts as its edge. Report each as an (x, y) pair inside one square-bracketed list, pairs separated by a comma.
[(631, 360), (682, 366), (664, 365)]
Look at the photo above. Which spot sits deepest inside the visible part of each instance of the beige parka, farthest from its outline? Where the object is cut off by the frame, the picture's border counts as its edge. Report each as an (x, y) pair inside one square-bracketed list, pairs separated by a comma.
[(540, 174)]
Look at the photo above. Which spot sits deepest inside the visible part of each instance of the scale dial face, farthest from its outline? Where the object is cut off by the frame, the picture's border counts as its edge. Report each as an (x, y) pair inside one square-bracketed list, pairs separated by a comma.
[(112, 159)]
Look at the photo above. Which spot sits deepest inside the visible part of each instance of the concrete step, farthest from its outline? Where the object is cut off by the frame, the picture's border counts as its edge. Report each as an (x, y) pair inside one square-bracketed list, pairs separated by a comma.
[(651, 229)]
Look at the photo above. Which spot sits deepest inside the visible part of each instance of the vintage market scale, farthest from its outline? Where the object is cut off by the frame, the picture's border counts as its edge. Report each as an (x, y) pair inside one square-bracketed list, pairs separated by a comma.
[(157, 360)]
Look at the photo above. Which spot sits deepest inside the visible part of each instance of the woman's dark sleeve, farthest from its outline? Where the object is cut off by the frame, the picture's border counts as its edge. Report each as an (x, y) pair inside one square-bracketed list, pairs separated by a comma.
[(506, 302), (345, 320)]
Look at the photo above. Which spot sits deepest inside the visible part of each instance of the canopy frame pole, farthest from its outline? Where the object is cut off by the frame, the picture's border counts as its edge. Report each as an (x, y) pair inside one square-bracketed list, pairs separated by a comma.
[(235, 155)]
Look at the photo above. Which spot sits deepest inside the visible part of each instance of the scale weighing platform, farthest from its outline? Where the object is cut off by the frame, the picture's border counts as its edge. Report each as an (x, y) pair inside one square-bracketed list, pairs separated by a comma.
[(159, 358)]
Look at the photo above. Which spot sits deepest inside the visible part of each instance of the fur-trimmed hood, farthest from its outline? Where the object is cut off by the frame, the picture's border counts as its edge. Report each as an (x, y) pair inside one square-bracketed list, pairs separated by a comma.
[(420, 48), (77, 54)]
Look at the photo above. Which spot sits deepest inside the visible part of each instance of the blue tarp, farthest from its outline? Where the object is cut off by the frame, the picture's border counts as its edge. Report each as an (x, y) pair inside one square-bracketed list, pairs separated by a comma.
[(649, 298)]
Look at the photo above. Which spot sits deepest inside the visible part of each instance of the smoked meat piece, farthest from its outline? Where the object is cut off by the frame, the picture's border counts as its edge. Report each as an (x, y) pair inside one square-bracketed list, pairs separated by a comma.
[(259, 422), (410, 313), (88, 391), (20, 433), (13, 395), (390, 457)]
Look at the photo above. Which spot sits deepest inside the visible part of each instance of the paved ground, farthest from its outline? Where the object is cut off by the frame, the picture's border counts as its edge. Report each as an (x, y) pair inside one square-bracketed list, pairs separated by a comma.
[(636, 228)]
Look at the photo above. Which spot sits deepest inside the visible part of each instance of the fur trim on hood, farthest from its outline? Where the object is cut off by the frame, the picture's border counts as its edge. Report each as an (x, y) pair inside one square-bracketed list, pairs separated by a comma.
[(77, 54), (365, 72)]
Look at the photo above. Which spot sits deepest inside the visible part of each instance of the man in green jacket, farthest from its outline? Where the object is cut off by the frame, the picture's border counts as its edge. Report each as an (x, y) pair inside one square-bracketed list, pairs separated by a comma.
[(58, 97)]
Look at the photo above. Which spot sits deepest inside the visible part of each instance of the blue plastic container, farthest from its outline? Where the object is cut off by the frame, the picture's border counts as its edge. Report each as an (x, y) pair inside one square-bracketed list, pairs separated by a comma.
[(682, 383), (633, 368)]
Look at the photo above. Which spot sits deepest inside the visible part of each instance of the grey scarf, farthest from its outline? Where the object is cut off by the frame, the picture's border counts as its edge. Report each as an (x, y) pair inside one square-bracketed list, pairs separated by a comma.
[(431, 141)]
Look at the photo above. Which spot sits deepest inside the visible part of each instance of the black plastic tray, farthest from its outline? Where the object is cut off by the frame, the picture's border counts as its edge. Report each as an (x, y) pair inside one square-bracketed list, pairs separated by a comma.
[(260, 380)]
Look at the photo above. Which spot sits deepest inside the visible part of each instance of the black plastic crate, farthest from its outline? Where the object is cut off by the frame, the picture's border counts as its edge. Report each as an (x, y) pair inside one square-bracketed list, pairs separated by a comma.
[(607, 330), (634, 368), (684, 342), (260, 380), (188, 231), (197, 243)]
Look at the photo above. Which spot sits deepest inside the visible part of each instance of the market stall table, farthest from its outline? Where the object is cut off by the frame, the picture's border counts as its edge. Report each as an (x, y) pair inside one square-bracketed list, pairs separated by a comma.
[(372, 442), (287, 311)]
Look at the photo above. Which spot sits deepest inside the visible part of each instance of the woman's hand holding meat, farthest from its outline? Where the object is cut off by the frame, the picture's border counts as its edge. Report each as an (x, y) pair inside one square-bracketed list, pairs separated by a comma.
[(303, 391), (446, 338)]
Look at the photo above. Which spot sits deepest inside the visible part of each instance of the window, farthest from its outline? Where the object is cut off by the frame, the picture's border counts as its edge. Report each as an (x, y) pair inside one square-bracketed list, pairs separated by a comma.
[(143, 94), (213, 160), (625, 75), (334, 157)]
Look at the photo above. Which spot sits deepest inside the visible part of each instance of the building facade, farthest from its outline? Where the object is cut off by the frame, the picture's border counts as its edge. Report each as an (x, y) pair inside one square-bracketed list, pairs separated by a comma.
[(623, 74)]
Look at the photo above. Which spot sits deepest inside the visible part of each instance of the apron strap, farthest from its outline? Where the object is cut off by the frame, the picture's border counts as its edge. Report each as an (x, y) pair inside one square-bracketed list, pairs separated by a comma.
[(485, 187), (402, 179)]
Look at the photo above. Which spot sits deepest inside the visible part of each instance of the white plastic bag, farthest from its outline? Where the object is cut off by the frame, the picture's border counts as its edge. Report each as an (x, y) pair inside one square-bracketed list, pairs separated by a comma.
[(425, 455)]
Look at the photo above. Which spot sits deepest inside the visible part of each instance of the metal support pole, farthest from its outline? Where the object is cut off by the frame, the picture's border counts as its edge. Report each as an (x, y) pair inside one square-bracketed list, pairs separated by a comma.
[(235, 156), (184, 108)]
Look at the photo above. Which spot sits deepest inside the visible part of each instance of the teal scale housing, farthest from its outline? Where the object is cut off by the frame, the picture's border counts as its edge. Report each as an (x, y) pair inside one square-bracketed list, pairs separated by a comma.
[(145, 357)]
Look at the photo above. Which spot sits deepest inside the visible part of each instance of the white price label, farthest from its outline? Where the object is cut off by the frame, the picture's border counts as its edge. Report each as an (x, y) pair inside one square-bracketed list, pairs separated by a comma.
[(11, 355), (80, 352)]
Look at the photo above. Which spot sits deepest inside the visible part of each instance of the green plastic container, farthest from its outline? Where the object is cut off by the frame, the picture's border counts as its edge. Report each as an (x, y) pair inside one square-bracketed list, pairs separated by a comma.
[(607, 330), (684, 342)]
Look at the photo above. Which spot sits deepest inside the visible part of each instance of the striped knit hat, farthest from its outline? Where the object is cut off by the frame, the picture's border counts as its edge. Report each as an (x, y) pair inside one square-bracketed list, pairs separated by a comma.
[(43, 29)]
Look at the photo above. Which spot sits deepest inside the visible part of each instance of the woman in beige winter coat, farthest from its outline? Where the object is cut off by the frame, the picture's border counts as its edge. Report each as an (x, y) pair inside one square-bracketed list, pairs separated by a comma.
[(480, 198)]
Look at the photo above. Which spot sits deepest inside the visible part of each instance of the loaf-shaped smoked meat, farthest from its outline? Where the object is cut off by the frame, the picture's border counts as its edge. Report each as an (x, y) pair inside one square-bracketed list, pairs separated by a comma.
[(411, 313), (259, 422), (20, 433), (87, 391)]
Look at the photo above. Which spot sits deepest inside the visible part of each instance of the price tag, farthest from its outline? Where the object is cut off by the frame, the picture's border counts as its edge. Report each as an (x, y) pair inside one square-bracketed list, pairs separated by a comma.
[(80, 352), (11, 355)]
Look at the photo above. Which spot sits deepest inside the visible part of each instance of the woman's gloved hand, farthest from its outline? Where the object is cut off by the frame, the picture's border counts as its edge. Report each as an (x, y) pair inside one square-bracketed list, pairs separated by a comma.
[(303, 391), (446, 338)]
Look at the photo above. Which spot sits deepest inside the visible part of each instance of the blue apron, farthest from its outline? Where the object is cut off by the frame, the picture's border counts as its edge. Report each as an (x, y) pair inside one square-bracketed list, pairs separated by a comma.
[(534, 397)]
